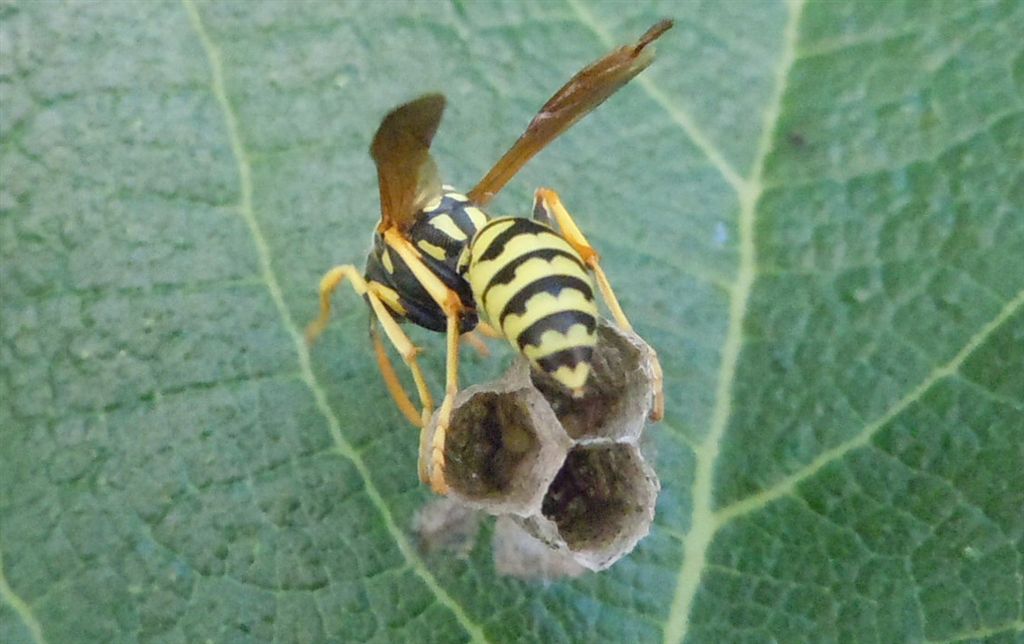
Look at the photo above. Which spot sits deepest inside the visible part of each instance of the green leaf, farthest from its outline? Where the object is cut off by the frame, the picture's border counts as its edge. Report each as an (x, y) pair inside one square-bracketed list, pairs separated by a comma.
[(814, 211)]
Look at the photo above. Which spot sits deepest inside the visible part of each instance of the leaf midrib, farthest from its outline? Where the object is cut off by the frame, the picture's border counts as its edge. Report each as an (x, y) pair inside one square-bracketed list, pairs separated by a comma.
[(705, 520), (702, 525), (345, 449), (679, 116)]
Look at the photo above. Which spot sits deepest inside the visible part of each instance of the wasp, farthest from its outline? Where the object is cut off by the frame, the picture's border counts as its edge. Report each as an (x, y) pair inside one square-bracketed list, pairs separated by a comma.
[(440, 262)]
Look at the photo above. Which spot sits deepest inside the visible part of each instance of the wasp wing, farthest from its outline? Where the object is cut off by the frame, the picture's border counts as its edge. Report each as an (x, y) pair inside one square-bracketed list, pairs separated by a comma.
[(584, 91), (406, 173)]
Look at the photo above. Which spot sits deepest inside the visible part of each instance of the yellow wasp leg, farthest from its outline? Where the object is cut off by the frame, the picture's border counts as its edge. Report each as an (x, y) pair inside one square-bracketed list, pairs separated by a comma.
[(551, 204), (548, 202), (395, 388), (407, 350), (411, 256), (328, 284), (488, 331), (449, 302), (478, 345), (437, 461)]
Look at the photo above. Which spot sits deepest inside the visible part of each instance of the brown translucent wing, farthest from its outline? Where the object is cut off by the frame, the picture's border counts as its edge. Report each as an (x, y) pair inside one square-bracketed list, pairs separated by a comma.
[(584, 91), (406, 173)]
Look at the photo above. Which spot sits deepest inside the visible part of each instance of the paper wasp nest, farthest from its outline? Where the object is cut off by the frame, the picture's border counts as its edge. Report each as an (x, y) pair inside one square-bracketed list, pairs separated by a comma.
[(568, 471)]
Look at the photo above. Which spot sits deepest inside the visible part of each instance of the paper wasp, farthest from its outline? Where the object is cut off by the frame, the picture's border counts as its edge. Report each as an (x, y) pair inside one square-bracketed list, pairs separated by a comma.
[(438, 260)]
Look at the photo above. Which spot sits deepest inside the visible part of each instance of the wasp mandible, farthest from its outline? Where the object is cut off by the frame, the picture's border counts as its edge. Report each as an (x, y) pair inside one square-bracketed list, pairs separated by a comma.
[(439, 261)]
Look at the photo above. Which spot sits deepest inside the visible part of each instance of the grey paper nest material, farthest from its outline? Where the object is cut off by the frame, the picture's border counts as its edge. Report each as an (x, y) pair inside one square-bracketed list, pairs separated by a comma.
[(568, 471)]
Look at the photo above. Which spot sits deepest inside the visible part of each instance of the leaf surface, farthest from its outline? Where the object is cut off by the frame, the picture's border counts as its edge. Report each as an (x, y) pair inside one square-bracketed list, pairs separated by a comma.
[(814, 211)]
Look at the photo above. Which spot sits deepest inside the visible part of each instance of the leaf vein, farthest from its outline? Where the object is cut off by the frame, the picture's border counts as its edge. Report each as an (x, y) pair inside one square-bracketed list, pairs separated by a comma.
[(245, 207), (984, 633), (704, 526), (785, 486), (985, 392), (680, 116), (20, 606)]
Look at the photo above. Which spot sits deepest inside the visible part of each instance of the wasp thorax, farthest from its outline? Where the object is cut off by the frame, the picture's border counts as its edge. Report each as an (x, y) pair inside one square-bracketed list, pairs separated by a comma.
[(569, 471)]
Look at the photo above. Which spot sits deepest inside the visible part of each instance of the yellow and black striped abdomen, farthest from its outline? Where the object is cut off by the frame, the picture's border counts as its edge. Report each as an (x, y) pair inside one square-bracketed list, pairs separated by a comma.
[(533, 287)]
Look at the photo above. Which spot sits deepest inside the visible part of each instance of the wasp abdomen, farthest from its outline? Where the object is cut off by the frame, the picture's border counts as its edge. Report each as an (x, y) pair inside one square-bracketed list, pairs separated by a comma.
[(532, 285)]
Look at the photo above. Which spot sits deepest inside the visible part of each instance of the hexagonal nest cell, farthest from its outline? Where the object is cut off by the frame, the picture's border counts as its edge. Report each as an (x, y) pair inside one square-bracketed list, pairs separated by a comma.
[(568, 471), (487, 442), (602, 502), (503, 447)]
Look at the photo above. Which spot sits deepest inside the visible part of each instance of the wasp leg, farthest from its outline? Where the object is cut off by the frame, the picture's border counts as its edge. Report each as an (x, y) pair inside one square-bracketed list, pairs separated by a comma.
[(445, 298), (330, 281), (407, 350), (488, 331), (547, 204), (449, 302), (437, 460), (546, 201), (473, 340), (395, 388)]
